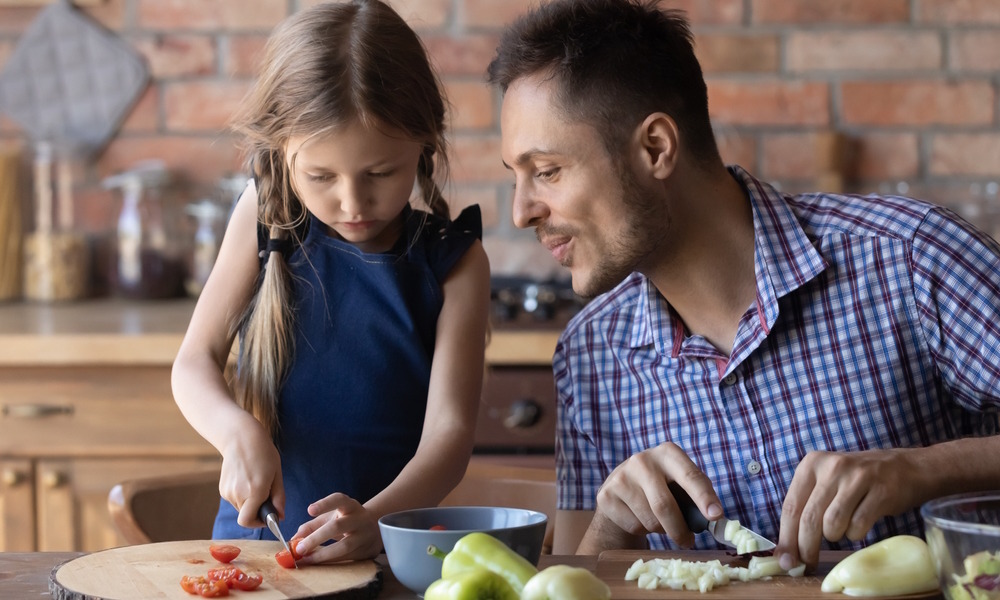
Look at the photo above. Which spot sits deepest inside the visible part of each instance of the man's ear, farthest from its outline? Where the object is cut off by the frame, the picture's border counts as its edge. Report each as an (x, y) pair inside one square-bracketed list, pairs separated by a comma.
[(658, 140)]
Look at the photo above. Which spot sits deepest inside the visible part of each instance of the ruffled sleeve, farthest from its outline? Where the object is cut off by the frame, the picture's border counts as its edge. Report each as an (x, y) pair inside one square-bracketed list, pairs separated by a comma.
[(448, 241)]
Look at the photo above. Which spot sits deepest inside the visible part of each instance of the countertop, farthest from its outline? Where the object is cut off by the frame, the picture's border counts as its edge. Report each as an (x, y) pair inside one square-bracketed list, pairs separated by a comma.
[(148, 333), (26, 574)]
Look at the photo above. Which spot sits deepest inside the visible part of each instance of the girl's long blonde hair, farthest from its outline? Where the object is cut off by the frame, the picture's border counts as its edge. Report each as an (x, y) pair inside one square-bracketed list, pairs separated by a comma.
[(323, 67)]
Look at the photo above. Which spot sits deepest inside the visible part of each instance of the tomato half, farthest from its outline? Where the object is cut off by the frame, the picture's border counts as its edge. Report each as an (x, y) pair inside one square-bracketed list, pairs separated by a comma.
[(234, 577), (246, 581), (293, 546), (204, 587), (285, 559), (224, 553)]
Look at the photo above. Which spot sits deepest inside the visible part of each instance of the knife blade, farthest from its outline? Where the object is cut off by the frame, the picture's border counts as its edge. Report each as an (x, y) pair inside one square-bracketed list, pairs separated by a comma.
[(697, 522), (269, 515)]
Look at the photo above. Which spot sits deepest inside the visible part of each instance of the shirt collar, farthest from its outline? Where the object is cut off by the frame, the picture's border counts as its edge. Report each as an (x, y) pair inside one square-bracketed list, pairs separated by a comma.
[(784, 260)]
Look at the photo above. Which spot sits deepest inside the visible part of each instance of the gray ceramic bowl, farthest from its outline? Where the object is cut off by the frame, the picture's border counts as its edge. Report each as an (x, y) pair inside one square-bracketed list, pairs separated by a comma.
[(407, 534)]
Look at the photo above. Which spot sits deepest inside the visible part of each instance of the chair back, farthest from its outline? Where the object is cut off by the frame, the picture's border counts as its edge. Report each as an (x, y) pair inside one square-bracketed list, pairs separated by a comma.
[(165, 508)]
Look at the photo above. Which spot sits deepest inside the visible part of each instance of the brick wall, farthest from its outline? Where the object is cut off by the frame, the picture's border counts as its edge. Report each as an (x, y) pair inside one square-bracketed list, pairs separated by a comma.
[(910, 85)]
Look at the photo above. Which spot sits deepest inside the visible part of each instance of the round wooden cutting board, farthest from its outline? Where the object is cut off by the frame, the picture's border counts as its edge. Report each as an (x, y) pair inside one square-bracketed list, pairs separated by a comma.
[(151, 571)]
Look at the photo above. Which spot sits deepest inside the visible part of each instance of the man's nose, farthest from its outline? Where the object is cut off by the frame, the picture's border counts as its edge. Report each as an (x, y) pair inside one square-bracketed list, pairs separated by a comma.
[(528, 210)]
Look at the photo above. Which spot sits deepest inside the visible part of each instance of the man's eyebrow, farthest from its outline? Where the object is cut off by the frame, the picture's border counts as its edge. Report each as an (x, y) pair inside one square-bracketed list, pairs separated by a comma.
[(526, 156)]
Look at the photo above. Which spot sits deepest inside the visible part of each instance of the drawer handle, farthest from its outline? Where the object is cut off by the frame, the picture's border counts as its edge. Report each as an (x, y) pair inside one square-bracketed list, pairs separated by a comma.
[(35, 411), (13, 477), (523, 414)]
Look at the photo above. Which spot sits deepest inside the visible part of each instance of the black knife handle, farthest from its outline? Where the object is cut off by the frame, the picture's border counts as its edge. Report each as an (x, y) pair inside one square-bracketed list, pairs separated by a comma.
[(696, 521), (266, 509)]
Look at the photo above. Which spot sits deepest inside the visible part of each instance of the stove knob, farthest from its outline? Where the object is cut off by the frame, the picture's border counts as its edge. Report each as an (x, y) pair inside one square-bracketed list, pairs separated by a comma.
[(523, 414)]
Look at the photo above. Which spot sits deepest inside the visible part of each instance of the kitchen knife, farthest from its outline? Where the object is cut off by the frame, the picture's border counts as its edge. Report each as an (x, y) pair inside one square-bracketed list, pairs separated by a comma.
[(269, 515), (697, 522)]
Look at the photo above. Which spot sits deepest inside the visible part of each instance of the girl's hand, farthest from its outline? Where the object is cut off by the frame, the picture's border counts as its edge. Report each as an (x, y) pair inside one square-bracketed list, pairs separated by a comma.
[(251, 473), (343, 519)]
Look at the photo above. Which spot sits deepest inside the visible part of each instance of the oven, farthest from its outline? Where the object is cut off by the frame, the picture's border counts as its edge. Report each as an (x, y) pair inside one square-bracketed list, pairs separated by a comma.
[(518, 411)]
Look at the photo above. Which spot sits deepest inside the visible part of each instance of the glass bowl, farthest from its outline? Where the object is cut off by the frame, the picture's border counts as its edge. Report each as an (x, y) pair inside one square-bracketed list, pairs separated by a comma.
[(963, 533)]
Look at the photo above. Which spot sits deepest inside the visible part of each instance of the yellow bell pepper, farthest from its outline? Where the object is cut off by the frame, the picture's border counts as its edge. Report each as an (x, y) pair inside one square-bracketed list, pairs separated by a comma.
[(481, 550), (563, 582), (473, 584)]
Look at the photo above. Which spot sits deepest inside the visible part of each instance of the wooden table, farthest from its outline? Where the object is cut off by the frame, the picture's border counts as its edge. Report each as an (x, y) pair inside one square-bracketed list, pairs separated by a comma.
[(25, 575)]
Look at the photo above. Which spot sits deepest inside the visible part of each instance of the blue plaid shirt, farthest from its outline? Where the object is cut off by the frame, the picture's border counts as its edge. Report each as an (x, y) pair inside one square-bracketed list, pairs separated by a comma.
[(876, 325)]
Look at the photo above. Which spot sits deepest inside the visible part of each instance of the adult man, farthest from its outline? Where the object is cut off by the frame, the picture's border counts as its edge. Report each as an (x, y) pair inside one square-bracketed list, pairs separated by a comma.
[(816, 366)]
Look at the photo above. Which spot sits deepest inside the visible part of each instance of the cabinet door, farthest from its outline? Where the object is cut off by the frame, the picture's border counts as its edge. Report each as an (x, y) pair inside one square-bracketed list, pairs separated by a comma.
[(17, 506), (73, 498)]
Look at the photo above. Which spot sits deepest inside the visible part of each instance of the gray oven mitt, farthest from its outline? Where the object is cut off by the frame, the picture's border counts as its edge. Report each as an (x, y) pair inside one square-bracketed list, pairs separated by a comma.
[(70, 80)]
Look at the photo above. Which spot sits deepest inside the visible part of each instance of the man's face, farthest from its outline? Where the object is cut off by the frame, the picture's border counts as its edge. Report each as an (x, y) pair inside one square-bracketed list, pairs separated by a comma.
[(587, 208)]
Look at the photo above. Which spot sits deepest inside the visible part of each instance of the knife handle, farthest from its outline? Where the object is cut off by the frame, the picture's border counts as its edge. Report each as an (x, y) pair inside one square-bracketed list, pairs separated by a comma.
[(267, 509), (696, 521)]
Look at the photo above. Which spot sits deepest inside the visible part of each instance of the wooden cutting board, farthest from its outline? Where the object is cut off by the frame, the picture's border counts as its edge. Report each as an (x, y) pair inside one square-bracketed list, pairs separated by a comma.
[(612, 565), (154, 571)]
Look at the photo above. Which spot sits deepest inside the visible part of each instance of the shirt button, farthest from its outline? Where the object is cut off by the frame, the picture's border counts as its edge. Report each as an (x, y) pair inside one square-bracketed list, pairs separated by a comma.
[(729, 379), (753, 467)]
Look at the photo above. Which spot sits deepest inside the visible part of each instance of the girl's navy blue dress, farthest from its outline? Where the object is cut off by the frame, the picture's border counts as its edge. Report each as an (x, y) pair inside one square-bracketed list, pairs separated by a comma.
[(352, 407)]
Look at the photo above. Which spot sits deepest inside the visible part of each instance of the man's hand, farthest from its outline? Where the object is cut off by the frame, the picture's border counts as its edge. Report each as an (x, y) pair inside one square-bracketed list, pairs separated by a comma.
[(834, 495), (635, 500)]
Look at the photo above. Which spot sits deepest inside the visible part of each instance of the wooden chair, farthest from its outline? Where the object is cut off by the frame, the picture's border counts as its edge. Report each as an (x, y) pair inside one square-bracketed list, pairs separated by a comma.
[(165, 508), (491, 484)]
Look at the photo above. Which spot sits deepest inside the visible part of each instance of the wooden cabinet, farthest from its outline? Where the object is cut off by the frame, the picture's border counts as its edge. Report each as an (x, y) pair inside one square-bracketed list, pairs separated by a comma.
[(68, 435)]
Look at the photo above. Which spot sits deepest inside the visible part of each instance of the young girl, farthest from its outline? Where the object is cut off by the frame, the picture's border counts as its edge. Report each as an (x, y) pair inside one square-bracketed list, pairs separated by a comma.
[(361, 320)]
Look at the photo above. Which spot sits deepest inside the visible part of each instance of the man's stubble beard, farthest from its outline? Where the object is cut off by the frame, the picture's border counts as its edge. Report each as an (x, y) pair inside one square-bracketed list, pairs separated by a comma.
[(646, 226)]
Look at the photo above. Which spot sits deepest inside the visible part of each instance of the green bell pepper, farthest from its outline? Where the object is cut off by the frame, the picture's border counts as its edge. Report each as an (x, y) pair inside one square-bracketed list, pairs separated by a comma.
[(562, 582), (481, 550), (473, 584)]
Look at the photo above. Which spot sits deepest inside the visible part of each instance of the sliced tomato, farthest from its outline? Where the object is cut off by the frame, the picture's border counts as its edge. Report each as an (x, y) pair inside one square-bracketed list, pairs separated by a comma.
[(204, 587), (213, 589), (224, 553), (285, 559), (224, 574), (437, 528), (246, 581), (189, 582), (293, 545)]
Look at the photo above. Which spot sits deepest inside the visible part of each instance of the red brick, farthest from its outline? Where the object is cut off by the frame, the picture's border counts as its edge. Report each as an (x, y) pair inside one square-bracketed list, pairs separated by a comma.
[(424, 14), (197, 159), (461, 54), (110, 13), (244, 55), (486, 197), (202, 105), (145, 115), (973, 12), (471, 105), (420, 14), (918, 103), (768, 102), (974, 154), (721, 53), (829, 11), (709, 12), (790, 156), (885, 156), (862, 50), (226, 15), (476, 159), (977, 50), (16, 19), (737, 148), (179, 55), (491, 13)]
